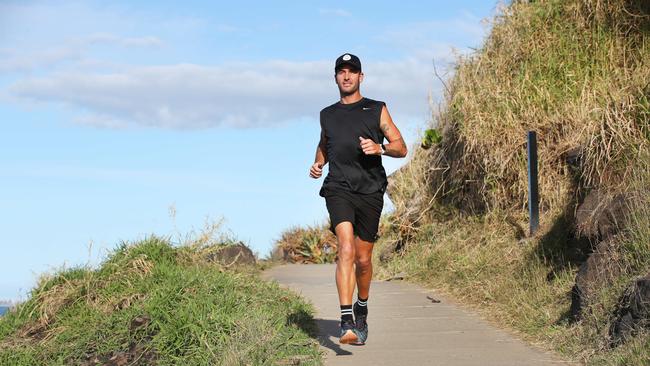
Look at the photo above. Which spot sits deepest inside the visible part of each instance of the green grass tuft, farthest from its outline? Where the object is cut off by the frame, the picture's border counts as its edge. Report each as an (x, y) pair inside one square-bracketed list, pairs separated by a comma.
[(153, 303)]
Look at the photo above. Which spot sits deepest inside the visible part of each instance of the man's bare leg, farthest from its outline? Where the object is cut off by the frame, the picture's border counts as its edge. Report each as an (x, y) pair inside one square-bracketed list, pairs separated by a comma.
[(345, 277), (363, 262)]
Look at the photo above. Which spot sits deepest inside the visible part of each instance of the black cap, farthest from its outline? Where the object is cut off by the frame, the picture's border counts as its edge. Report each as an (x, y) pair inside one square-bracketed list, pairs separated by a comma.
[(347, 59)]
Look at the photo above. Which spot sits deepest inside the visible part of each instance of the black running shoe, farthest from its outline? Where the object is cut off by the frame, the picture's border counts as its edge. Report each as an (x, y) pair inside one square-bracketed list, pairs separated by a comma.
[(361, 327), (360, 324), (348, 333)]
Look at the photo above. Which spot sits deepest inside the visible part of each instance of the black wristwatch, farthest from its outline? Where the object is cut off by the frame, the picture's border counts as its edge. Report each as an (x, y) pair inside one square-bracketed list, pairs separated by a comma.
[(383, 149)]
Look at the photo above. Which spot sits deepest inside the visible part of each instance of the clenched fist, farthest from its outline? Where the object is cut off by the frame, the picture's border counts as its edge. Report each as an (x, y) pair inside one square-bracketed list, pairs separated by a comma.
[(369, 147), (316, 170)]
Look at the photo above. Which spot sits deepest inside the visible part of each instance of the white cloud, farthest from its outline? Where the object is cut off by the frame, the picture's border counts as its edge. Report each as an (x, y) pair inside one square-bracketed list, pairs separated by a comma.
[(14, 61), (236, 95), (109, 92), (29, 60)]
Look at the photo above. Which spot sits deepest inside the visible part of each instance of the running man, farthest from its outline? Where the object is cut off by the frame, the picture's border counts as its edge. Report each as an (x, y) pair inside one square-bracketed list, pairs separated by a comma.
[(352, 141)]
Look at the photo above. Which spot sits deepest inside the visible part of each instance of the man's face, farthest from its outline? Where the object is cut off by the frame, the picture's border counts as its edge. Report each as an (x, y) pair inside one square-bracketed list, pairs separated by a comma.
[(348, 79)]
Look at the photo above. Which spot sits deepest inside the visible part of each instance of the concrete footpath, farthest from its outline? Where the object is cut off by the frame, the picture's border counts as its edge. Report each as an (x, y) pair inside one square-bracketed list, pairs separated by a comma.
[(406, 327)]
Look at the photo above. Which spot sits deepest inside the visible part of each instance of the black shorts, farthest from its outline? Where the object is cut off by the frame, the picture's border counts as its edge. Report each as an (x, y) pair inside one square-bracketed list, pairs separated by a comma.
[(362, 210)]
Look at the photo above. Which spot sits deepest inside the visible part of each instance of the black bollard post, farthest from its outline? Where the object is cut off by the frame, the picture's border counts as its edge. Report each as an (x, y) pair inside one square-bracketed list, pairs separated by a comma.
[(533, 193)]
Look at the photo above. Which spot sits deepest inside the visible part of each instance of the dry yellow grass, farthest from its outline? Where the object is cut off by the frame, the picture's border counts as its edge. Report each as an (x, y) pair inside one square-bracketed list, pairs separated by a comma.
[(578, 73)]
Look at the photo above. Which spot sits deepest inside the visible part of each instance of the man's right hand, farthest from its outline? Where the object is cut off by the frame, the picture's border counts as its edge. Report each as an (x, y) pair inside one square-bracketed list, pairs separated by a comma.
[(316, 170)]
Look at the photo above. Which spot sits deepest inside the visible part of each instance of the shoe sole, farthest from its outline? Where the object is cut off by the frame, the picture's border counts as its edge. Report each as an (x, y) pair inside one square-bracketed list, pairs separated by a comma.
[(359, 342), (349, 338)]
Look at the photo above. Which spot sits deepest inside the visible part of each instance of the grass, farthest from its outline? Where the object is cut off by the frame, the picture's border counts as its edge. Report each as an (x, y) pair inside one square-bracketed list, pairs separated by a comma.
[(575, 71), (153, 303), (578, 73), (481, 262)]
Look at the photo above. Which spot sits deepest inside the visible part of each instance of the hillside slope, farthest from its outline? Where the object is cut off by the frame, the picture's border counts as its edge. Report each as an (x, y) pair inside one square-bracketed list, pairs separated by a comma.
[(578, 73), (153, 303)]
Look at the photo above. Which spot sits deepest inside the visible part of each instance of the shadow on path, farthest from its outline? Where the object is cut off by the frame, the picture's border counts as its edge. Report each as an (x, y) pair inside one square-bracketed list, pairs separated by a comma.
[(328, 328), (321, 329)]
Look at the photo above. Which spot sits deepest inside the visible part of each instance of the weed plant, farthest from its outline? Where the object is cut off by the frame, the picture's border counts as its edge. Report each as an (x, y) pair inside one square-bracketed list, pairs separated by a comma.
[(311, 244)]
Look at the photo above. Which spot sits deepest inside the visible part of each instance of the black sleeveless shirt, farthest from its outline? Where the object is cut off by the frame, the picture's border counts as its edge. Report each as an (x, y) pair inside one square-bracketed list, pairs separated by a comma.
[(350, 168)]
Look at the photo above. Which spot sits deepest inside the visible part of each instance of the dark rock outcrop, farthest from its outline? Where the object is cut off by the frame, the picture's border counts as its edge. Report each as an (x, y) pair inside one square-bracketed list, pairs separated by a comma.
[(597, 272), (601, 215), (633, 312), (598, 219), (389, 250), (236, 254)]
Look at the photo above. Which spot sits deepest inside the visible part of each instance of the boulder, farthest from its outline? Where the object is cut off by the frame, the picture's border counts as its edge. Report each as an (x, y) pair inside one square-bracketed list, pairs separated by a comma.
[(235, 254), (388, 251), (597, 272), (601, 215), (574, 157), (633, 311)]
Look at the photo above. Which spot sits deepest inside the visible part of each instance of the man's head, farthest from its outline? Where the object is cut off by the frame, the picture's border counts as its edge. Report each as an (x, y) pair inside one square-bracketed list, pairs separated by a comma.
[(348, 75)]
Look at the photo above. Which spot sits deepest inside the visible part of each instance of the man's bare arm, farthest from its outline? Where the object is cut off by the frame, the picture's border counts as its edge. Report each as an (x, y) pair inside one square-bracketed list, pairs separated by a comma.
[(321, 155), (395, 146), (316, 169)]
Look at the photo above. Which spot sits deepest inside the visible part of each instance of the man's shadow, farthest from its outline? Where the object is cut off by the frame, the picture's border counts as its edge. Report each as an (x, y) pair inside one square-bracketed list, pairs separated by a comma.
[(328, 328), (321, 329)]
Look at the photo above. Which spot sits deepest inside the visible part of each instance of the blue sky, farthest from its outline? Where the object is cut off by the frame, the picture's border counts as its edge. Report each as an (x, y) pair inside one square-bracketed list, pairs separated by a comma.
[(116, 113)]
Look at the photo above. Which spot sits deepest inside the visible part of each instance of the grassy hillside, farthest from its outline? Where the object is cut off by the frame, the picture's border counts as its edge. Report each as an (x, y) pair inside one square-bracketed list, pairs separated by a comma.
[(578, 73), (154, 303)]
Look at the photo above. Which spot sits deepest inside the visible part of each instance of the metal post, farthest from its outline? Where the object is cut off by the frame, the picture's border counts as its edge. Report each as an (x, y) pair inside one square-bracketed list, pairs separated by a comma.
[(533, 193)]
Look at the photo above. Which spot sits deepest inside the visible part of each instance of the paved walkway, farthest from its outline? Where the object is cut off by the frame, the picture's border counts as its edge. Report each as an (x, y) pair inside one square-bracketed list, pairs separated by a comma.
[(406, 327)]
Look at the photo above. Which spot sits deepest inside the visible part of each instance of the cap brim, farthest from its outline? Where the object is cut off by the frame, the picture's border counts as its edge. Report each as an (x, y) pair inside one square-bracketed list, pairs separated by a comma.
[(347, 64)]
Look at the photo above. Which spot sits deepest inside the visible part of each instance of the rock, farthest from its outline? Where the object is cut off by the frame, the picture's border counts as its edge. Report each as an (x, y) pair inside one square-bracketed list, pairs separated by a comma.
[(236, 254), (388, 251), (633, 311), (397, 277), (520, 233), (139, 321), (574, 157), (598, 271), (601, 215), (119, 359), (433, 299)]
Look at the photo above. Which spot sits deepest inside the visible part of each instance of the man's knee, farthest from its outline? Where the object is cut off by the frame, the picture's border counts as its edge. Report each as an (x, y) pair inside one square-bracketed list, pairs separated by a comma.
[(363, 262), (346, 252)]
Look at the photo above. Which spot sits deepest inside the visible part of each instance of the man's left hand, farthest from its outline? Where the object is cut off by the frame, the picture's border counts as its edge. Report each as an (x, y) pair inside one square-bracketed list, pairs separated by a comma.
[(369, 147)]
